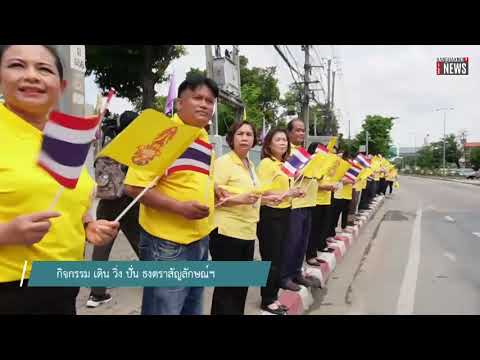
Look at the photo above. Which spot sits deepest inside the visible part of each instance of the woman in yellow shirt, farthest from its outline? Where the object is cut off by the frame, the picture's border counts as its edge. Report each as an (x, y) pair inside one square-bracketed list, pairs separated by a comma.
[(236, 217), (342, 198), (272, 229), (31, 79)]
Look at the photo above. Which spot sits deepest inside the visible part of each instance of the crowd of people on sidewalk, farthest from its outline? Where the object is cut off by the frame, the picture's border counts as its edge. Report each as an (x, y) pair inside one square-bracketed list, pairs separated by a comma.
[(293, 222)]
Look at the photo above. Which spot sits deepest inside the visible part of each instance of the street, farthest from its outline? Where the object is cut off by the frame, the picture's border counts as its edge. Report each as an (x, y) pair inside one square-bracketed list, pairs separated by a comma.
[(419, 255)]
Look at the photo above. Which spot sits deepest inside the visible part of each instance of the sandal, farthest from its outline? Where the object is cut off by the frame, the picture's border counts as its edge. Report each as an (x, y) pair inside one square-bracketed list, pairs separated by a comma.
[(281, 306), (313, 262), (278, 311)]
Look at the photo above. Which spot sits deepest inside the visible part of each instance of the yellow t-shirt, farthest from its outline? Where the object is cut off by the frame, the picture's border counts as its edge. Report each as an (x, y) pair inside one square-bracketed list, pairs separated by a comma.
[(26, 188), (238, 221), (324, 197), (344, 193), (392, 175), (309, 185), (184, 185), (268, 171)]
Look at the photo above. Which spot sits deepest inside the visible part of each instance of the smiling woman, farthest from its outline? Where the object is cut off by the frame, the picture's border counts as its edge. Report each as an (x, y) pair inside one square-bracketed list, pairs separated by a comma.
[(31, 79)]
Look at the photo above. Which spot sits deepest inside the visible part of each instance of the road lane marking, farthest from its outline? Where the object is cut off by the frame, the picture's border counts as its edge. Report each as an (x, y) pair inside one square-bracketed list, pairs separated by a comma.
[(449, 219), (477, 234), (406, 299), (450, 256)]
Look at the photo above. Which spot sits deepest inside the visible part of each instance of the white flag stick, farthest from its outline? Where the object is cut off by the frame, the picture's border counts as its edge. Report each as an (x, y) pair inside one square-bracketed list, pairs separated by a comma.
[(55, 200), (134, 201)]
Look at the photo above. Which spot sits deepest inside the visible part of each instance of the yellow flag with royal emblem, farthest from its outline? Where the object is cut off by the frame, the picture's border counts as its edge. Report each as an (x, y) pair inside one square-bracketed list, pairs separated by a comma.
[(152, 142)]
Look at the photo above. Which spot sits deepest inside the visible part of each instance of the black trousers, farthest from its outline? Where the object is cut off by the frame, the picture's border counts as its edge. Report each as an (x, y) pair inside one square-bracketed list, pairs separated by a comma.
[(109, 210), (389, 185), (272, 233), (16, 300), (373, 190), (382, 186), (229, 300), (296, 245), (364, 200), (341, 207), (321, 220)]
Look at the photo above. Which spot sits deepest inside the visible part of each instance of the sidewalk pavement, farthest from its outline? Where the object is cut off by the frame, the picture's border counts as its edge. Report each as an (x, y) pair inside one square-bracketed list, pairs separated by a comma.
[(127, 301)]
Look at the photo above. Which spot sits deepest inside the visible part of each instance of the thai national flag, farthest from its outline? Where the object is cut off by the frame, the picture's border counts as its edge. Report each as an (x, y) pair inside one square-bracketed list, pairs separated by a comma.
[(196, 158), (296, 161), (353, 172), (363, 161), (321, 149), (65, 146)]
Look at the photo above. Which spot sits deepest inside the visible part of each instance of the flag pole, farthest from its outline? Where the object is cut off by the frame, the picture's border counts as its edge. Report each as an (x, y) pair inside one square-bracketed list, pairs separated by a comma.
[(57, 197), (134, 201)]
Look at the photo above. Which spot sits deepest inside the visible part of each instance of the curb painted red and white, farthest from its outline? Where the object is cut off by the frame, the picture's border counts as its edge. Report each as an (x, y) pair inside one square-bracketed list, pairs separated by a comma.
[(300, 301)]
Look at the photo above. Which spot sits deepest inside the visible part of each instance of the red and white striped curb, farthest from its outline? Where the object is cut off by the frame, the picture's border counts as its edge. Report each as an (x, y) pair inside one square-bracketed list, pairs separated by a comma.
[(299, 302)]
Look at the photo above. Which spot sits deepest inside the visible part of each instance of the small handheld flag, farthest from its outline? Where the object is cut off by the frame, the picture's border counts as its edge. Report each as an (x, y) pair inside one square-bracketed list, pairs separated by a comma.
[(332, 143), (196, 158), (172, 94), (299, 158), (322, 149), (65, 146), (353, 172)]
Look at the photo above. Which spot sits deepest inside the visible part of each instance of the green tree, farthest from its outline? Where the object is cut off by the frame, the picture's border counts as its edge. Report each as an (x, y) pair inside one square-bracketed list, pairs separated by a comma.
[(132, 70), (426, 157), (158, 103), (453, 151), (260, 93), (319, 113), (379, 140), (475, 158)]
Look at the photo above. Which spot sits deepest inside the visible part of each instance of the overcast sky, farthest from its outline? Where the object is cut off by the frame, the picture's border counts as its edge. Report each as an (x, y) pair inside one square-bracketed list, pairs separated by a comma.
[(397, 80)]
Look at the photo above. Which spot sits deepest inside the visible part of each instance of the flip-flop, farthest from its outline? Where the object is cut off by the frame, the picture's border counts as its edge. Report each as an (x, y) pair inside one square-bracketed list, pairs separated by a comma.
[(313, 262)]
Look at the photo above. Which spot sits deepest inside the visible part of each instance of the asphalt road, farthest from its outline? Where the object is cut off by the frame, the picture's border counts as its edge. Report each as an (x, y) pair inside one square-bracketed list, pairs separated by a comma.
[(419, 255)]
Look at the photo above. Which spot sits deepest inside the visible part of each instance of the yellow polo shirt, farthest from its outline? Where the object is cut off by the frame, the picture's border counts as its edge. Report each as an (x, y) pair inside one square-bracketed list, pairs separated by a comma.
[(26, 188), (309, 185), (324, 197), (269, 169), (185, 185), (238, 221), (344, 193)]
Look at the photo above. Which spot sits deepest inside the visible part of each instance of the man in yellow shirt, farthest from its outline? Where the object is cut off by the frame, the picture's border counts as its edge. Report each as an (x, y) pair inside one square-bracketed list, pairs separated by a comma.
[(176, 215), (300, 221)]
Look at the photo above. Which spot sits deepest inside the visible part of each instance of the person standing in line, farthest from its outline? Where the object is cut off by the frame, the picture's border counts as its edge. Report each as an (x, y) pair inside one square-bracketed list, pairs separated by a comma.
[(233, 238), (322, 217), (176, 214), (31, 80), (273, 227), (300, 221)]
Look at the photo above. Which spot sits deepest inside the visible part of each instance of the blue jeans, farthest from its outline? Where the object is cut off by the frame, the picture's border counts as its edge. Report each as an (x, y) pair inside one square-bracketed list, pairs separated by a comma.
[(173, 300)]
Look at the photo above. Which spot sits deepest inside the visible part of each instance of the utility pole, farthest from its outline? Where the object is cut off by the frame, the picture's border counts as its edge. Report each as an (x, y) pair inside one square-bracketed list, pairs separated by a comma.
[(349, 138), (73, 59), (306, 92), (444, 135), (333, 90), (209, 68)]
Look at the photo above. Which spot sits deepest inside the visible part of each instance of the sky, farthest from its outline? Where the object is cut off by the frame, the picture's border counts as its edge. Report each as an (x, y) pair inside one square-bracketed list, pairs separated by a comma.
[(388, 80)]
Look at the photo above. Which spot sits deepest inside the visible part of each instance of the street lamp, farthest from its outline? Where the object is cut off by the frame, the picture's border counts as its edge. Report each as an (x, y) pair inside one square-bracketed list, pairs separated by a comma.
[(444, 135), (414, 148)]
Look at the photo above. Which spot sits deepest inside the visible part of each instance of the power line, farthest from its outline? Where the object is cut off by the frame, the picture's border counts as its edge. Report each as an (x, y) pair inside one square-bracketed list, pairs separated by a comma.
[(293, 57), (286, 60)]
